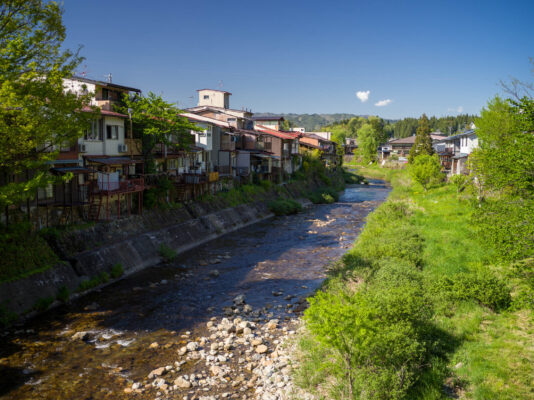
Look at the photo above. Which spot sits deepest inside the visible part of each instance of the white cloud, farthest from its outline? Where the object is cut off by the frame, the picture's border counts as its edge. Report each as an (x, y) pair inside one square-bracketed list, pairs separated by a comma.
[(383, 103), (458, 109), (363, 96)]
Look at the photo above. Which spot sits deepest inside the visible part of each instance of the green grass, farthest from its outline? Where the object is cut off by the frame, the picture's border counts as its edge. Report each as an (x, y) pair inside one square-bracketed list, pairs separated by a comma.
[(482, 350), (166, 253)]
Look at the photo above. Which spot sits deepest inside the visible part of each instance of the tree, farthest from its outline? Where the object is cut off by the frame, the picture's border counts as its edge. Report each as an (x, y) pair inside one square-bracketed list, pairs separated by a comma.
[(426, 169), (423, 141), (368, 141), (37, 116), (157, 121)]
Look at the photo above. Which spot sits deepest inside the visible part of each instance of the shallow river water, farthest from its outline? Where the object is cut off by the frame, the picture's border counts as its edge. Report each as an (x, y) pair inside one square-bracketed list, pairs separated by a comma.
[(96, 346)]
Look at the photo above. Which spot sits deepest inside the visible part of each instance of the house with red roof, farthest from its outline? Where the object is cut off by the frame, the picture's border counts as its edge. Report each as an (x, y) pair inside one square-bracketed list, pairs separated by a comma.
[(285, 149)]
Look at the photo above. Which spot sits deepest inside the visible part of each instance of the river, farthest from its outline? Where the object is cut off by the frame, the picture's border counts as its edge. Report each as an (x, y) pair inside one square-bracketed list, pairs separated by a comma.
[(96, 347)]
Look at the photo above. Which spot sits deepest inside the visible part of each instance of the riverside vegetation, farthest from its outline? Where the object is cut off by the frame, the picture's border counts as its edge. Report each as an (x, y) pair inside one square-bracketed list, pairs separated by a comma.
[(421, 307)]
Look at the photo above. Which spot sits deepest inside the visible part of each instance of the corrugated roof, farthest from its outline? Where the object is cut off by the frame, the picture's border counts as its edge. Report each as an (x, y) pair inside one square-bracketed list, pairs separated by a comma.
[(279, 134), (110, 160), (106, 112), (268, 118), (208, 120), (411, 139), (105, 84)]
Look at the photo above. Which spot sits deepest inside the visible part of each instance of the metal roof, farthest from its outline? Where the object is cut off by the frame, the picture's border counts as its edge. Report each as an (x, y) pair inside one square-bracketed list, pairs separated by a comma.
[(105, 84), (110, 160)]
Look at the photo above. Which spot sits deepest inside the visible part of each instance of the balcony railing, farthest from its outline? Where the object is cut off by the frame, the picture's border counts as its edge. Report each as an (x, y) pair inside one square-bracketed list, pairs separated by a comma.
[(114, 187)]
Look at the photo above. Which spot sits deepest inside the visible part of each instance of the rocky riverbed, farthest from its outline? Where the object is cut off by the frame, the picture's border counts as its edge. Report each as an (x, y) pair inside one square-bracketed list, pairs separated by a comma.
[(215, 323)]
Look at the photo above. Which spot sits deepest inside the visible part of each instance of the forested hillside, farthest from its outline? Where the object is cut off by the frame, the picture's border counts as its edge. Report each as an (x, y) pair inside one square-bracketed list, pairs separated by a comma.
[(313, 122)]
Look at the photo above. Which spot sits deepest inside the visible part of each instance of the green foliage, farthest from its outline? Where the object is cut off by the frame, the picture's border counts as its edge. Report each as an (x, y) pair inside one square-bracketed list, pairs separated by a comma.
[(426, 169), (166, 253), (460, 181), (43, 303), (36, 113), (116, 271), (324, 195), (484, 288), (354, 179), (423, 141), (157, 121), (504, 160), (23, 252), (375, 338), (284, 207), (93, 282), (7, 317), (508, 225), (63, 294), (368, 142)]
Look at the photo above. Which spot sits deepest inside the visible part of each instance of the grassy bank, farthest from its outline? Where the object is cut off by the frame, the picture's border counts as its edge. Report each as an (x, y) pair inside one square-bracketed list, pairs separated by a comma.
[(419, 308)]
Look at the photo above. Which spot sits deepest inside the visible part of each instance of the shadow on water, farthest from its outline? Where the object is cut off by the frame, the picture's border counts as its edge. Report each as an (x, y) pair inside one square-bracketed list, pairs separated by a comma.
[(266, 262)]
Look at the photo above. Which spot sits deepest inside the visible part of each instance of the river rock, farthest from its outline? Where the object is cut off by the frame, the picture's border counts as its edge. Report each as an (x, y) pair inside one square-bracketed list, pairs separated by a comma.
[(239, 300), (81, 336), (153, 345), (182, 351), (261, 349), (182, 383), (192, 346), (214, 273), (157, 372)]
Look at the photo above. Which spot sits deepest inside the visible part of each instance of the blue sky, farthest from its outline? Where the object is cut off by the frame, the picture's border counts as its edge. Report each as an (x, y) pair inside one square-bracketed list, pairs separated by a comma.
[(434, 57)]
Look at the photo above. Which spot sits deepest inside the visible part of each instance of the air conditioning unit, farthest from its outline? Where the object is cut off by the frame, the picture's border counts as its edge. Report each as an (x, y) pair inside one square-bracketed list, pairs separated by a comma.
[(123, 148), (82, 148)]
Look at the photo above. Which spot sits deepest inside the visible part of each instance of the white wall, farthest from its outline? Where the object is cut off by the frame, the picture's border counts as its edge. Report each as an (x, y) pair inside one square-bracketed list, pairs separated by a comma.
[(468, 144), (105, 147)]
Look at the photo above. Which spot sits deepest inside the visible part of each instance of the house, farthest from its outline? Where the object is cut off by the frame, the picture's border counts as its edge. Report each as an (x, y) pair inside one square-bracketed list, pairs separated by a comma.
[(108, 150), (216, 104), (328, 148), (269, 121), (454, 151), (401, 147), (285, 149), (351, 144)]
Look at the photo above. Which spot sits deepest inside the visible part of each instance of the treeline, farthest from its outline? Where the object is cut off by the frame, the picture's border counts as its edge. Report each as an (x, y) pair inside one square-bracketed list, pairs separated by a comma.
[(449, 125), (348, 128)]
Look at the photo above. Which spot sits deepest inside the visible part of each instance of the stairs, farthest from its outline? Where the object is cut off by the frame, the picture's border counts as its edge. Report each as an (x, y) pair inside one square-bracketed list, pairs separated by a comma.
[(94, 208)]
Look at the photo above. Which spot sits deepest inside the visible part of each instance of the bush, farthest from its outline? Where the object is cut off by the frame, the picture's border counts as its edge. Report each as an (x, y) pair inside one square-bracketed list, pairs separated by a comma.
[(460, 182), (116, 271), (43, 303), (485, 289), (166, 253), (93, 282), (323, 196), (63, 294), (23, 252), (375, 339), (284, 207), (425, 170), (354, 179), (6, 316)]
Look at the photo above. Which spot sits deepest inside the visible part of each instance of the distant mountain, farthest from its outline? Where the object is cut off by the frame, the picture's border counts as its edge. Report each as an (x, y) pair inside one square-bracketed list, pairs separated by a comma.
[(313, 122)]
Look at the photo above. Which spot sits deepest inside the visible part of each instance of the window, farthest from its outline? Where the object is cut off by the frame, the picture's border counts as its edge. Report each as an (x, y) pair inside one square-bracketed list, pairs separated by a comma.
[(172, 164), (105, 94), (46, 193), (92, 133), (206, 97), (112, 131)]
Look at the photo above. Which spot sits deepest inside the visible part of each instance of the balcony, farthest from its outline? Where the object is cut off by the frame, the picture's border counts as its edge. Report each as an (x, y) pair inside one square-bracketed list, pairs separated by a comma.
[(113, 187)]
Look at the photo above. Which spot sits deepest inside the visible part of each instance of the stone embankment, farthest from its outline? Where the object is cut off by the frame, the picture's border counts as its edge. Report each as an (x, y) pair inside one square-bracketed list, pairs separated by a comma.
[(135, 243)]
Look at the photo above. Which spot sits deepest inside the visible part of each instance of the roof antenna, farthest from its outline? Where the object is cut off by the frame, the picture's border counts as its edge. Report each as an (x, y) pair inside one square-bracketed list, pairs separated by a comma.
[(221, 84), (109, 76)]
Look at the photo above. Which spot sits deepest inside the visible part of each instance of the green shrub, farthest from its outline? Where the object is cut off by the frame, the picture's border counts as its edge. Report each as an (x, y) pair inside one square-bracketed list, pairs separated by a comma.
[(266, 185), (23, 252), (460, 182), (87, 284), (284, 206), (43, 303), (425, 170), (166, 253), (323, 196), (7, 317), (63, 294), (354, 179), (116, 271), (375, 339), (483, 288)]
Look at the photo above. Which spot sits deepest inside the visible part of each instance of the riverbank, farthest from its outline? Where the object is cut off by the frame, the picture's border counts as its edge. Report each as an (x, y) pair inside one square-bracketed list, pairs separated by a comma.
[(106, 344), (94, 255), (442, 319)]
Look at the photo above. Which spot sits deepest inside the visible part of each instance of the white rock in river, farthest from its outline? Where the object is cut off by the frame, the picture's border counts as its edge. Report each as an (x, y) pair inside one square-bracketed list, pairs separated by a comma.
[(261, 349), (182, 383), (192, 346)]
